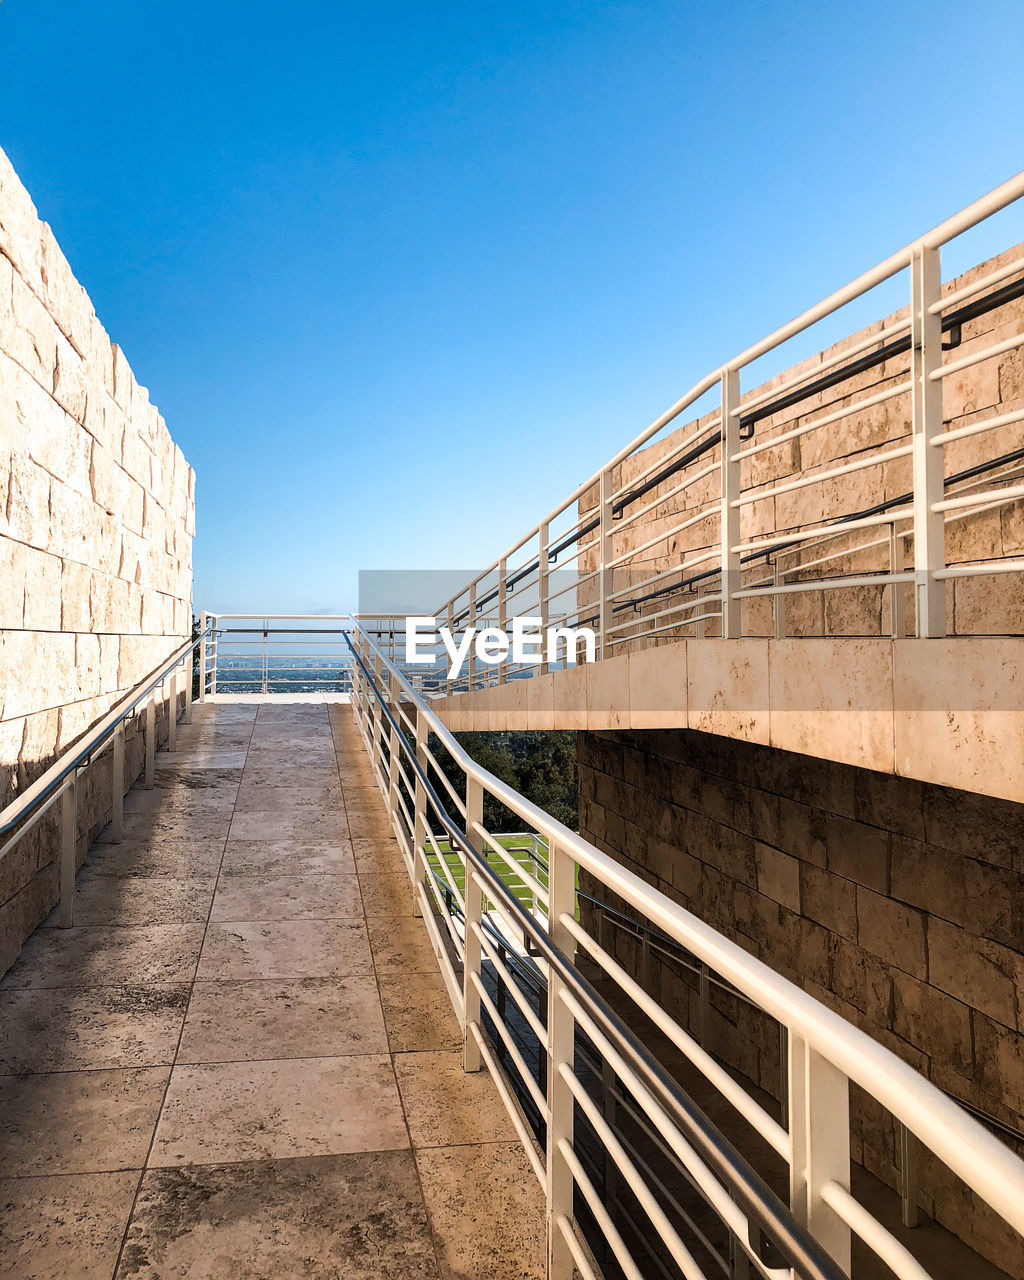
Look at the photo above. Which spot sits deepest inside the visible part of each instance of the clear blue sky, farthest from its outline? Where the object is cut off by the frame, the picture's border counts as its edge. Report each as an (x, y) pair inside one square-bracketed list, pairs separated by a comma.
[(401, 275)]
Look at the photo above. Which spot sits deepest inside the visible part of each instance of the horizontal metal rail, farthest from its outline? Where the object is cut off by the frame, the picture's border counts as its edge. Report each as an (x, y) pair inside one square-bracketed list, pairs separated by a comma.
[(59, 783), (825, 1052), (907, 357)]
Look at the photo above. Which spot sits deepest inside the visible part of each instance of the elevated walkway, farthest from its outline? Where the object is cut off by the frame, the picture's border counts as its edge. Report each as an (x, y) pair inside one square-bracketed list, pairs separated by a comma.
[(949, 712), (241, 1060)]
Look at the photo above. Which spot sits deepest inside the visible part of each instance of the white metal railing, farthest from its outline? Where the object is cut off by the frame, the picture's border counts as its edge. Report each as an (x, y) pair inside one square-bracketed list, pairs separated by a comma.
[(695, 489), (288, 653), (59, 784), (431, 817)]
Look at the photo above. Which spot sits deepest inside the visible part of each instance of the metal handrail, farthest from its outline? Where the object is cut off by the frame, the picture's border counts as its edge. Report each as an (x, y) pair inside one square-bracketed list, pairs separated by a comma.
[(817, 1034), (752, 1195), (45, 787), (919, 333)]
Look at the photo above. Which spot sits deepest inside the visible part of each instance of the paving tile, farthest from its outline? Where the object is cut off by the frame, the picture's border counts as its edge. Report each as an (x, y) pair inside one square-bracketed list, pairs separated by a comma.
[(292, 1018), (487, 1211), (285, 949), (257, 1110), (379, 855), (445, 1105), (400, 945), (86, 1027), (288, 775), (78, 1121), (367, 827), (135, 900), (96, 956), (184, 859), (346, 1217), (197, 781), (165, 822), (261, 798), (308, 827), (284, 858), (64, 1228), (183, 802), (207, 758), (386, 894), (283, 897), (418, 1013)]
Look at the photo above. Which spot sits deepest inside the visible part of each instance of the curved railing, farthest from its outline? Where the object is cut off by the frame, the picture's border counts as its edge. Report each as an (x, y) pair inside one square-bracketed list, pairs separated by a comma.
[(59, 782), (826, 1053)]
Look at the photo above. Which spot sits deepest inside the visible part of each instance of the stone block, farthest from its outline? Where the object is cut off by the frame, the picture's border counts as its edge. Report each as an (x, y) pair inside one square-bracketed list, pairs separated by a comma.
[(20, 240), (934, 1022), (959, 718), (607, 692), (657, 687), (833, 699), (857, 852), (981, 973), (778, 876), (727, 688), (986, 900), (64, 297), (892, 931), (829, 900), (861, 979)]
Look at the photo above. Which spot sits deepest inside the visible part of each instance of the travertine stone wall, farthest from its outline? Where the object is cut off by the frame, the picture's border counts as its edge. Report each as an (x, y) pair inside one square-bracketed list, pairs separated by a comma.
[(96, 525), (975, 605), (897, 903)]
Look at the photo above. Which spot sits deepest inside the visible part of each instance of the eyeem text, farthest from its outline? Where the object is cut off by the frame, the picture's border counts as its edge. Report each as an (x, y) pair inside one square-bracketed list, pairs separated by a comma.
[(526, 643)]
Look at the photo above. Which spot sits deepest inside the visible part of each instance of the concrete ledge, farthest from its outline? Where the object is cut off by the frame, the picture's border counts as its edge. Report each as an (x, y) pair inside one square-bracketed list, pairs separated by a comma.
[(944, 711)]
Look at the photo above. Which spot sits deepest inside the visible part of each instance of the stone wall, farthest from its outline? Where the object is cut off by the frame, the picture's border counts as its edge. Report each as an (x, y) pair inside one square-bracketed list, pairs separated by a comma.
[(898, 904), (975, 605), (96, 525)]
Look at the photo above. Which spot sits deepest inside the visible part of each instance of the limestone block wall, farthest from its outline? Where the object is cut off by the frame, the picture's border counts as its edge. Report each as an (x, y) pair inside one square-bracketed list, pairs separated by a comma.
[(975, 605), (899, 904), (97, 515)]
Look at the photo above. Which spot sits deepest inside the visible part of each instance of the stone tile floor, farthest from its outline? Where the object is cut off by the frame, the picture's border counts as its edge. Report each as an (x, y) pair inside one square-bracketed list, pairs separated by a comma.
[(241, 1061)]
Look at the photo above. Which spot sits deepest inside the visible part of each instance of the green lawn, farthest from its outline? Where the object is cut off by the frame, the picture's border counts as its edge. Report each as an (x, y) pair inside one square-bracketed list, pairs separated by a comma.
[(521, 849)]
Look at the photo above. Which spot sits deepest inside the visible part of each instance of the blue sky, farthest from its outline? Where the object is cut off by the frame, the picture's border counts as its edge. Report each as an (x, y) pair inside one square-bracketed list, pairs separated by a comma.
[(401, 275)]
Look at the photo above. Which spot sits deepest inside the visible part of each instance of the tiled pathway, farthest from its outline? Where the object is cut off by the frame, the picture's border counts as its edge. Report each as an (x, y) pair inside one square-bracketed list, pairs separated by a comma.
[(241, 1062)]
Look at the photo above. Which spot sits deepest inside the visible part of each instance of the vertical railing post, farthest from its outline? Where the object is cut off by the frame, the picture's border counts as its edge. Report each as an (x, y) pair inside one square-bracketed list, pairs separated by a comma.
[(778, 605), (214, 647), (926, 414), (419, 813), (474, 916), (561, 1052), (117, 786), (150, 775), (819, 1128), (172, 711), (897, 598), (502, 610), (605, 576), (68, 840), (471, 658), (187, 718), (730, 517), (265, 653), (202, 656), (543, 588), (394, 749), (377, 717), (909, 1153), (450, 622)]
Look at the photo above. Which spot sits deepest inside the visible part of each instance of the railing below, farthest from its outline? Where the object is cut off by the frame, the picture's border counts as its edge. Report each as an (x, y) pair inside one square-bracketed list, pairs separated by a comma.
[(487, 923), (59, 784), (682, 533)]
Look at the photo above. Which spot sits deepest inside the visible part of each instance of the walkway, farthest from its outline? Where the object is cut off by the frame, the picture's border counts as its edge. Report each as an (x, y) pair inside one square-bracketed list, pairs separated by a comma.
[(241, 1062)]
